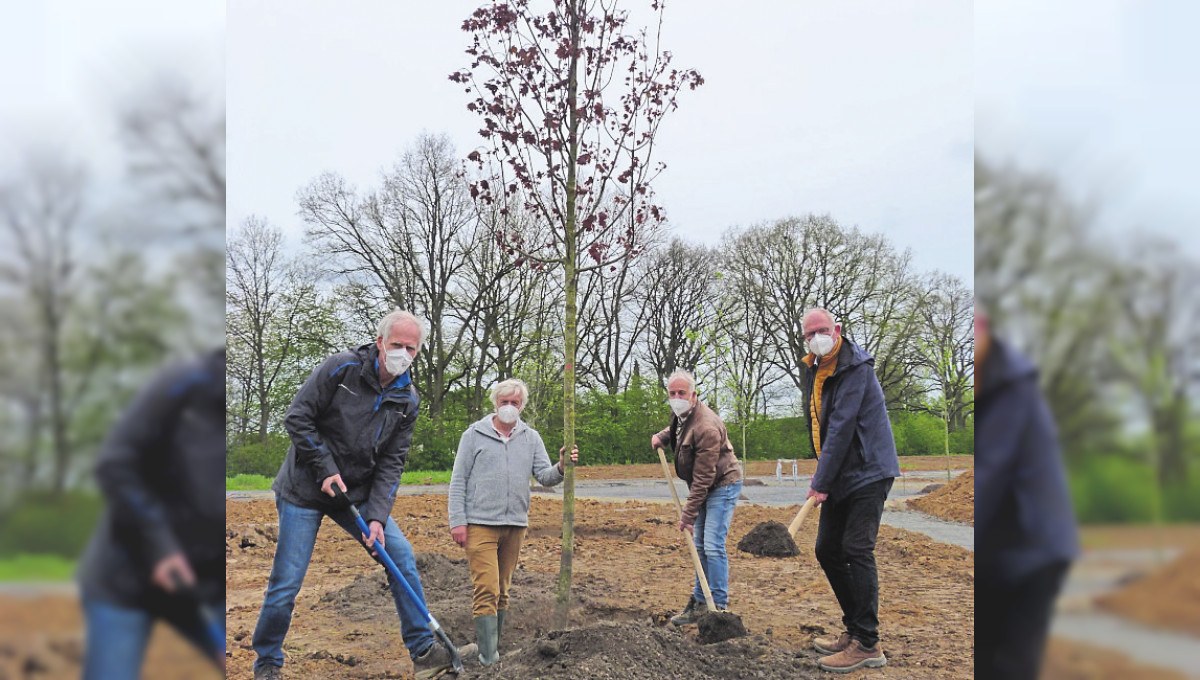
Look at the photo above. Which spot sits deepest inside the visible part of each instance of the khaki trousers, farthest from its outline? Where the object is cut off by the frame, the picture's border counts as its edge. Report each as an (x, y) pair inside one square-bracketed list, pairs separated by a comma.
[(492, 553)]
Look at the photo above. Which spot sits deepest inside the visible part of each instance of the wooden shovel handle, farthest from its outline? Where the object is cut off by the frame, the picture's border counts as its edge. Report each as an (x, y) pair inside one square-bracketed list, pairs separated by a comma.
[(794, 527), (687, 537)]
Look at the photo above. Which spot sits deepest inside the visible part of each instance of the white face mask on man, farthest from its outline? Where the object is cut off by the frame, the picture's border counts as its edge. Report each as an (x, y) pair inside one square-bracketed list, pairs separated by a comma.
[(508, 414), (821, 344), (680, 406), (397, 361)]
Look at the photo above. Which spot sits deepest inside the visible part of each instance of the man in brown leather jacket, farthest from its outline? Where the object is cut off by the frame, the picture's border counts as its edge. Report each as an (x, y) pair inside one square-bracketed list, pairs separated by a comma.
[(704, 459)]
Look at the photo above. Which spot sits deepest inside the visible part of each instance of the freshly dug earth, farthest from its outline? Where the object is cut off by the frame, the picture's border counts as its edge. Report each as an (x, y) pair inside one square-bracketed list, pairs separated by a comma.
[(632, 573), (954, 501), (719, 627), (769, 539), (41, 638), (1070, 660), (1166, 598)]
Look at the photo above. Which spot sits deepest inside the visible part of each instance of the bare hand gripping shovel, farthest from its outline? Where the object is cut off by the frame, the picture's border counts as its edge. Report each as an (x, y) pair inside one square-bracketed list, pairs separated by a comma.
[(455, 659)]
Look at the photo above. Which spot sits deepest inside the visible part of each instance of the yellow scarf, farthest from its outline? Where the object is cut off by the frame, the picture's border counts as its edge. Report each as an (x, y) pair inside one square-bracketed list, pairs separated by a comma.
[(824, 370)]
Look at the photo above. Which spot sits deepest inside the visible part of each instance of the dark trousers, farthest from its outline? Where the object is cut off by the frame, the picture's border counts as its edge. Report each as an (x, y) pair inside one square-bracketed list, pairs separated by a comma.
[(846, 550), (1012, 621)]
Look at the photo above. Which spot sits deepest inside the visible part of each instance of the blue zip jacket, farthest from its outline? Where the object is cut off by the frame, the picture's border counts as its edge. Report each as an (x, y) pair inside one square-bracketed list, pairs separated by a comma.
[(857, 446), (1023, 515)]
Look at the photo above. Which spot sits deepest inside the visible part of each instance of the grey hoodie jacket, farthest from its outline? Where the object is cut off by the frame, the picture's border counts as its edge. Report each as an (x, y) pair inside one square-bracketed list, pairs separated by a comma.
[(490, 482)]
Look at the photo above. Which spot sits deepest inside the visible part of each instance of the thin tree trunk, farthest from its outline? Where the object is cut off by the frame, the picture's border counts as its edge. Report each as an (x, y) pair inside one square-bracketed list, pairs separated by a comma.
[(571, 279)]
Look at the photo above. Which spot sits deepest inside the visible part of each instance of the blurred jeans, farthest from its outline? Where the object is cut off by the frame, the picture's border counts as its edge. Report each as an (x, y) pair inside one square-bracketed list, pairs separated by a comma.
[(117, 637), (711, 529), (845, 549), (297, 537)]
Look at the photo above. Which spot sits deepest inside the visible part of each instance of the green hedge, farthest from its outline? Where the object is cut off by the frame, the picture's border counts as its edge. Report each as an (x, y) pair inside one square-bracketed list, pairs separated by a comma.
[(41, 523), (257, 458), (1115, 489)]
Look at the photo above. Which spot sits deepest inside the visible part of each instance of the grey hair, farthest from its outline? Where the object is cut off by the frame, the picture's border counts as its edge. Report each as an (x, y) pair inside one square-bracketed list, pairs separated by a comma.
[(509, 387), (832, 320), (681, 374), (396, 315)]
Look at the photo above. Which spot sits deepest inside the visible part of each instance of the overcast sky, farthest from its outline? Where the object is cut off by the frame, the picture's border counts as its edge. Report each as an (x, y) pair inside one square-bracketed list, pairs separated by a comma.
[(1102, 94), (859, 109)]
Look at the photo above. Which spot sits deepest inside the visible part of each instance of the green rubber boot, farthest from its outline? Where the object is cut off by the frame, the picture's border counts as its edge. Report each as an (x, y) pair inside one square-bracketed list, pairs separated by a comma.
[(487, 635), (500, 616)]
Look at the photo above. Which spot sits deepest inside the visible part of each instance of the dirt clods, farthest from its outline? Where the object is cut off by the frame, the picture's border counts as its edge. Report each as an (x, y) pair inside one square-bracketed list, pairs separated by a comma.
[(719, 627), (769, 539)]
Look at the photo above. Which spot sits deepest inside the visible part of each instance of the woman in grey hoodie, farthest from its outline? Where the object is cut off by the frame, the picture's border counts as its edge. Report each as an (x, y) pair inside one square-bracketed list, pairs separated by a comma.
[(489, 503)]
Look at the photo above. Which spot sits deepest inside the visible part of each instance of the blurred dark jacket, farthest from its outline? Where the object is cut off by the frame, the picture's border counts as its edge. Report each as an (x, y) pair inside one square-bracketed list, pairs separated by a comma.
[(162, 472), (857, 446), (343, 422), (1023, 515)]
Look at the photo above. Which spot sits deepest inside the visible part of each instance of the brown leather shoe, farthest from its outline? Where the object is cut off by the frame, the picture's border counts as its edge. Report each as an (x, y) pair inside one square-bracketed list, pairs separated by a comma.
[(830, 644), (852, 658)]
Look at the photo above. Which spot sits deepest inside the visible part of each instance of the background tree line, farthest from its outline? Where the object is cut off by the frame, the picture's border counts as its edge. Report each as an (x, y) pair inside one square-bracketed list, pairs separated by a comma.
[(729, 311), (1112, 321)]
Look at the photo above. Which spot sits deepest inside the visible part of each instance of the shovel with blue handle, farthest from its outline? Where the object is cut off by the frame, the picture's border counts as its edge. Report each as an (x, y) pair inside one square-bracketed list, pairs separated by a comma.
[(455, 660)]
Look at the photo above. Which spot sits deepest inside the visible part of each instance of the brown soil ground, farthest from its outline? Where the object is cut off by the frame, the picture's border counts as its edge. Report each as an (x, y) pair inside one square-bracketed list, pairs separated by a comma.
[(631, 573), (954, 501), (1070, 660), (764, 468), (41, 639), (1166, 598), (1100, 536)]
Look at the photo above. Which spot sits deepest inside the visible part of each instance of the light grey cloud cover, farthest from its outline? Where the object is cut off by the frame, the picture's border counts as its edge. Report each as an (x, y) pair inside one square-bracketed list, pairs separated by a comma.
[(859, 109)]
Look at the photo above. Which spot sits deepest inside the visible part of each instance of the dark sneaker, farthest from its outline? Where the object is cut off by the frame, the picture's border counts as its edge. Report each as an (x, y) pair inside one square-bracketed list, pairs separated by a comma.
[(853, 657), (268, 673), (830, 644), (690, 613)]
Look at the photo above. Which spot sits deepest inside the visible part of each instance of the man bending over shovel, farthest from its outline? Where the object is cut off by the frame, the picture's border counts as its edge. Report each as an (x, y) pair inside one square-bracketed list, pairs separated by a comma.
[(856, 465), (351, 425), (704, 459)]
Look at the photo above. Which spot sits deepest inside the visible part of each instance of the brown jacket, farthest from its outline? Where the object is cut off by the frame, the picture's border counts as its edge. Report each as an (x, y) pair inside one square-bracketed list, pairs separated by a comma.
[(704, 458)]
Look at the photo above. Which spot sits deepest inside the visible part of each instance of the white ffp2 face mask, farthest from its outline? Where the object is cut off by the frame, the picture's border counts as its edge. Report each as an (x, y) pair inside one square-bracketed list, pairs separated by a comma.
[(397, 361), (821, 344), (680, 406), (508, 414)]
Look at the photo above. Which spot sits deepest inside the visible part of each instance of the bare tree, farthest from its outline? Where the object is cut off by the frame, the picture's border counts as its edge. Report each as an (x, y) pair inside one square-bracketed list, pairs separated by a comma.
[(611, 323), (680, 298), (946, 351)]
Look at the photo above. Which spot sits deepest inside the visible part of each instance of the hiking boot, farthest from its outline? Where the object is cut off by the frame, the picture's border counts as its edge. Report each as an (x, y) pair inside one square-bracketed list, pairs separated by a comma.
[(690, 613), (434, 656), (268, 673), (853, 657), (830, 644)]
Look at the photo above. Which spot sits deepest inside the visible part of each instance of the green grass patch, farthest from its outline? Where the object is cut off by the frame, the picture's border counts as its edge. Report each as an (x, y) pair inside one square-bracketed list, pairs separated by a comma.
[(25, 567), (262, 483)]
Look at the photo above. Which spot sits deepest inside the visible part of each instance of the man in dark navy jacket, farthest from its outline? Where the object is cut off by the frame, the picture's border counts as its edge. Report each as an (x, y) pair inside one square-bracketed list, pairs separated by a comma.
[(1025, 536), (847, 417), (158, 552)]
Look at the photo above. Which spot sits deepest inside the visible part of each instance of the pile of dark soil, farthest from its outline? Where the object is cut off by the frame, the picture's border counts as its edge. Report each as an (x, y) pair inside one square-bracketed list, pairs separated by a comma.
[(719, 627), (954, 502), (640, 651), (769, 539)]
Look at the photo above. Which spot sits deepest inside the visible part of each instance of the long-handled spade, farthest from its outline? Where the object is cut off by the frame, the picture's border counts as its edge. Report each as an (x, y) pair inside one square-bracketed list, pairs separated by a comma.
[(214, 632), (794, 527), (456, 665), (708, 598)]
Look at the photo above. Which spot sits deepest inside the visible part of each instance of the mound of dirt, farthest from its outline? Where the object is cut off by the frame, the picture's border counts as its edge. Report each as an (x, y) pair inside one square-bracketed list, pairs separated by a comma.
[(1167, 598), (954, 501), (719, 627), (1071, 660), (769, 539), (931, 488), (640, 651)]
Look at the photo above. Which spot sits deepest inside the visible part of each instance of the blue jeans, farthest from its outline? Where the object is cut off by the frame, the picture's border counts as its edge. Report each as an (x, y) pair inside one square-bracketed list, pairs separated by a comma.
[(711, 530), (297, 538), (117, 637)]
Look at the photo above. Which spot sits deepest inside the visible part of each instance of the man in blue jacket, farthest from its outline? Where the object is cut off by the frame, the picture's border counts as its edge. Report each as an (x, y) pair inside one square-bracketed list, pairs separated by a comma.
[(161, 471), (847, 418), (351, 424), (1025, 535)]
